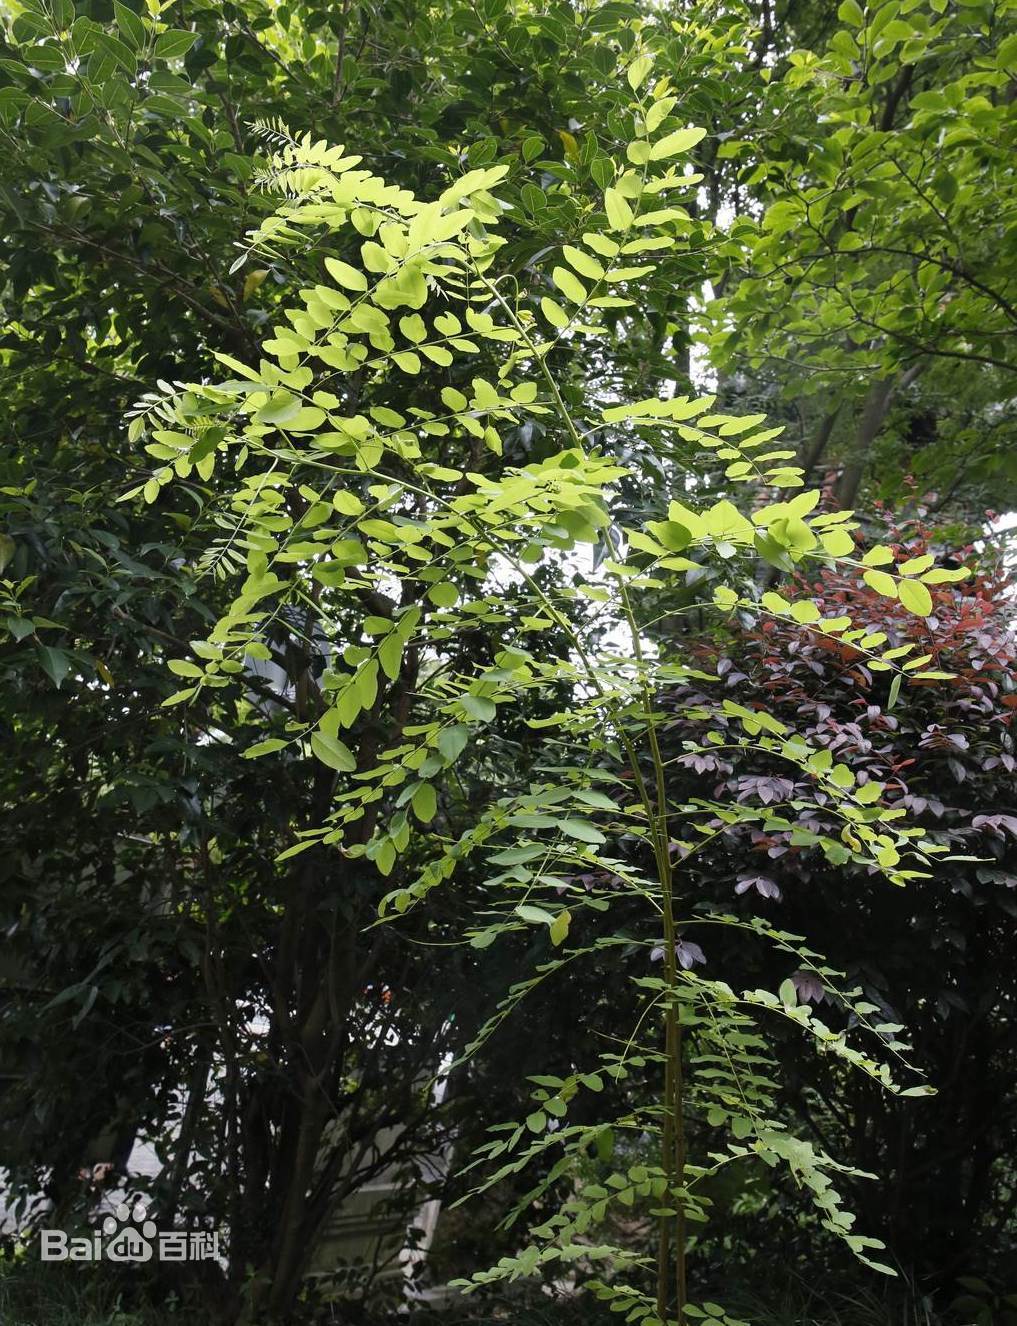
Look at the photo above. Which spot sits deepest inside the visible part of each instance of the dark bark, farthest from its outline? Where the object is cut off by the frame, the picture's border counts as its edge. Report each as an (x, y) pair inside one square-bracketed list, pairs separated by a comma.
[(811, 452), (870, 425)]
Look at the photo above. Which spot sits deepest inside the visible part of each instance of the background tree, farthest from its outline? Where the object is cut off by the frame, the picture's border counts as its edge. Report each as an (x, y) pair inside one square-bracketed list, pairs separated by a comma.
[(877, 265)]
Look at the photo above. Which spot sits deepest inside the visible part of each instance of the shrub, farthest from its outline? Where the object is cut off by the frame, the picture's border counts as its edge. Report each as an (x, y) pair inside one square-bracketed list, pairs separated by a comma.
[(933, 955)]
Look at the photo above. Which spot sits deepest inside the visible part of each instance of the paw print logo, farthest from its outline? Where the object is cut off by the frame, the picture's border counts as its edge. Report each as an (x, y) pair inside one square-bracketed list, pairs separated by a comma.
[(133, 1242)]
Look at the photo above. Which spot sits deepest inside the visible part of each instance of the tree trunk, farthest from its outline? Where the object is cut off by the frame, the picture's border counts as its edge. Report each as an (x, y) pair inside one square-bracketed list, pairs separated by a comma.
[(874, 412), (811, 453)]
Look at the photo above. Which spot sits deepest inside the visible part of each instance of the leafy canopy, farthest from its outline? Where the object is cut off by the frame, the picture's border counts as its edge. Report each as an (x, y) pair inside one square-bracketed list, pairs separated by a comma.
[(337, 512)]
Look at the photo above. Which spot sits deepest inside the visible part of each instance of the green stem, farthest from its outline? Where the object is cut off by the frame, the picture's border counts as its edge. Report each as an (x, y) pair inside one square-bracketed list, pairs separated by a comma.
[(672, 1145)]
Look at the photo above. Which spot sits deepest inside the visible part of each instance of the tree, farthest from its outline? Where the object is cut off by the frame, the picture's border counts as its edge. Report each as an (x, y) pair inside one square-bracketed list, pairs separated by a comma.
[(388, 558), (878, 265)]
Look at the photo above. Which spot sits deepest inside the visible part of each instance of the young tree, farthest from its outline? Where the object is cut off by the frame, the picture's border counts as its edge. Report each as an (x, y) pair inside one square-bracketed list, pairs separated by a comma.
[(390, 556)]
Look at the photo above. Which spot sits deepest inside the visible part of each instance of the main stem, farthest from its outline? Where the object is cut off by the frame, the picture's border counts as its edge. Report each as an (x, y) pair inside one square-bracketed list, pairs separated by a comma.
[(672, 1145), (673, 1131)]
